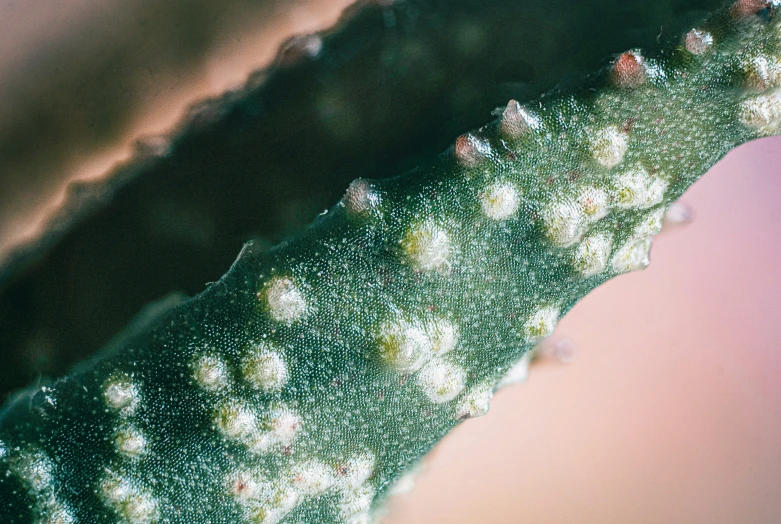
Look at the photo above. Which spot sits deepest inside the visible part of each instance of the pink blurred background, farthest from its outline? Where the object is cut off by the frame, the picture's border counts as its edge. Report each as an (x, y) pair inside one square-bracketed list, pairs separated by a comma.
[(671, 410)]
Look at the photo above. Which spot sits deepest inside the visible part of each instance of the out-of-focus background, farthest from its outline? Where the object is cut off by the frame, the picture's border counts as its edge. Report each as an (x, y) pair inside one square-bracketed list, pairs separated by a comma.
[(669, 411)]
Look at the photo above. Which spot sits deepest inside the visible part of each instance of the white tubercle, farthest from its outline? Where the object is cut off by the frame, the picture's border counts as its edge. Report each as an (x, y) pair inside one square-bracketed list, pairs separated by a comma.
[(355, 471), (518, 121), (284, 300), (762, 112), (609, 146), (355, 504), (130, 442), (361, 197), (278, 428), (475, 403), (638, 189), (518, 373), (650, 225), (131, 503), (594, 202), (121, 394), (500, 201), (443, 335), (35, 469), (592, 254), (235, 420), (312, 478), (763, 72), (698, 42), (265, 369), (564, 223), (471, 151), (441, 381), (428, 247), (632, 256), (541, 323), (404, 346), (210, 372)]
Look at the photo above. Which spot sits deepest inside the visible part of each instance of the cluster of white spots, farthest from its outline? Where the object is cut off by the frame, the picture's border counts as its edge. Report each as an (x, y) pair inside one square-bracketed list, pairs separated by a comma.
[(609, 146), (564, 222), (284, 300), (360, 197), (355, 504), (428, 247), (698, 42), (121, 394), (405, 346), (406, 483), (632, 256), (475, 403), (500, 201), (517, 121), (763, 72), (210, 372), (3, 450), (471, 151), (592, 254), (265, 369), (541, 323), (762, 112), (441, 381), (638, 189), (277, 427), (518, 373), (130, 502), (629, 70), (130, 442), (56, 513), (594, 202)]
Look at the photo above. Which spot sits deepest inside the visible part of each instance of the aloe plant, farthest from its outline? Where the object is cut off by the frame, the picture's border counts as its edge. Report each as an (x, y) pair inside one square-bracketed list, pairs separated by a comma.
[(314, 375)]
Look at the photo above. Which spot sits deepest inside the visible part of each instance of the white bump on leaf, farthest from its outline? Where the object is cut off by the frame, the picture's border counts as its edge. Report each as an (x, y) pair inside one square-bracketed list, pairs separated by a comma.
[(518, 121), (541, 323), (443, 336), (121, 394), (475, 403), (698, 42), (35, 469), (428, 247), (592, 254), (441, 381), (131, 504), (130, 442), (471, 151), (564, 223), (608, 146), (762, 112), (651, 224), (360, 197), (518, 373), (355, 504), (594, 202), (284, 300), (638, 189), (632, 256), (404, 346), (278, 428), (312, 478), (355, 471), (236, 420), (500, 201), (265, 369), (210, 372)]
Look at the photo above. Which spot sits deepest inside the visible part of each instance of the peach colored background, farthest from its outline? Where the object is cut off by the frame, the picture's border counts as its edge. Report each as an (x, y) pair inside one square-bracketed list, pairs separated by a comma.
[(671, 410)]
